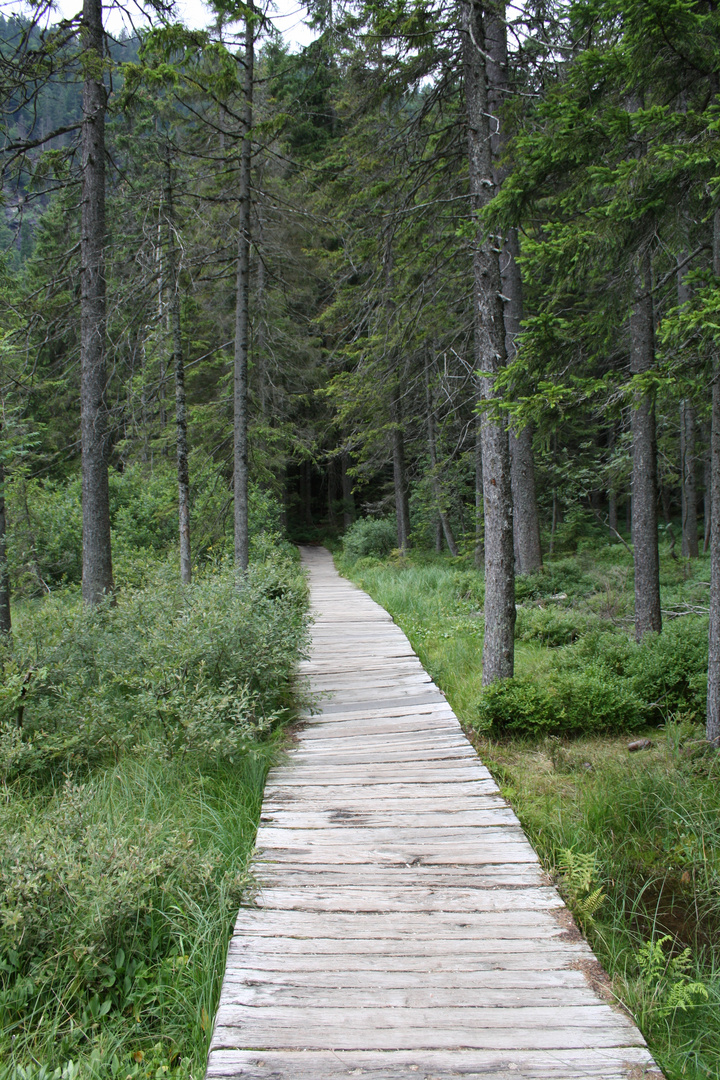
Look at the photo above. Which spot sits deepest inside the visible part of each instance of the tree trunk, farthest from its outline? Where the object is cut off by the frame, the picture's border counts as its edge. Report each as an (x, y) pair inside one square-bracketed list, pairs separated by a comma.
[(242, 314), (612, 513), (479, 531), (707, 486), (347, 491), (332, 493), (644, 475), (688, 486), (402, 509), (526, 522), (713, 694), (5, 619), (97, 580), (183, 471), (690, 547), (498, 645), (432, 452)]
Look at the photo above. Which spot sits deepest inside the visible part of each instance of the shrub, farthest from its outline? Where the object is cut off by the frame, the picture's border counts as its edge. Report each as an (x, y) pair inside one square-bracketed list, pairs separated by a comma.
[(667, 671), (369, 536), (561, 576), (565, 703), (205, 668), (552, 626)]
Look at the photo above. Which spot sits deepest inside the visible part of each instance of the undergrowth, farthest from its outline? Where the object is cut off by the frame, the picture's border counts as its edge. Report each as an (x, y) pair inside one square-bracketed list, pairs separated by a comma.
[(134, 743)]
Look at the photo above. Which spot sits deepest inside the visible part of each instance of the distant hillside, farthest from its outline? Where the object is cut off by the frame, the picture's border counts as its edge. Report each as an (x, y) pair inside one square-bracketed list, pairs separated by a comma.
[(57, 105)]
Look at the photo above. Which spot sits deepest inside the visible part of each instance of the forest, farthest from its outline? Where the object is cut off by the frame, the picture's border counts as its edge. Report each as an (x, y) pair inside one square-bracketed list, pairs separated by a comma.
[(439, 290)]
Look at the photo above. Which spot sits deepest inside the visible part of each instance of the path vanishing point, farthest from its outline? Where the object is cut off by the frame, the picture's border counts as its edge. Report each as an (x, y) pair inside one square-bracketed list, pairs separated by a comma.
[(403, 928)]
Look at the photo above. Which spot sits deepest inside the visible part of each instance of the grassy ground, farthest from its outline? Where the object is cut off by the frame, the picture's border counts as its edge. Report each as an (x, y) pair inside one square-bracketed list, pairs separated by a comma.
[(633, 839)]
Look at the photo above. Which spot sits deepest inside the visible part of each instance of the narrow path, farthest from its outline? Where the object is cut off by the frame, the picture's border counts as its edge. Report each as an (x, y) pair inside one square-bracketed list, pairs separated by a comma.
[(404, 928)]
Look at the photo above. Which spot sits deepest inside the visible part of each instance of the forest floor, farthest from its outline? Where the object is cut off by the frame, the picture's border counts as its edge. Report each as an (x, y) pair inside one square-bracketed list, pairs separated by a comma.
[(632, 838)]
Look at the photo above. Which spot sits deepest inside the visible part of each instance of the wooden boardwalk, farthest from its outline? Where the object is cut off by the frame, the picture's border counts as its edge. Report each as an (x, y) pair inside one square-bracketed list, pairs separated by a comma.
[(404, 928)]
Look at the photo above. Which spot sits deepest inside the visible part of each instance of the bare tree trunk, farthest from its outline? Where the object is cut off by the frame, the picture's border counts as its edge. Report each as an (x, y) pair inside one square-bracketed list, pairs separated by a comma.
[(612, 513), (690, 548), (612, 494), (713, 694), (644, 476), (707, 484), (242, 313), (183, 470), (307, 493), (97, 579), (402, 509), (332, 492), (432, 451), (498, 644), (347, 491), (526, 522), (5, 619), (479, 531), (688, 486)]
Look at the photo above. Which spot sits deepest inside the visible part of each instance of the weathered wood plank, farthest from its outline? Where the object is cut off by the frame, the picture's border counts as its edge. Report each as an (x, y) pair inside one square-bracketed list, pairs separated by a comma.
[(595, 1064), (409, 899)]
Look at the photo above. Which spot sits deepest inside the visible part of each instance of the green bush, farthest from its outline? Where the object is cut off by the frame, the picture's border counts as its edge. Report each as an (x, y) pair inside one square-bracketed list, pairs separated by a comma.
[(552, 626), (566, 703), (559, 576), (369, 536), (204, 668), (667, 671)]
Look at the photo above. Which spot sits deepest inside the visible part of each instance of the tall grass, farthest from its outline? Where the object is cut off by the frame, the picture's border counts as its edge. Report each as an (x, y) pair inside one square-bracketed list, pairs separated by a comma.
[(140, 931), (648, 823)]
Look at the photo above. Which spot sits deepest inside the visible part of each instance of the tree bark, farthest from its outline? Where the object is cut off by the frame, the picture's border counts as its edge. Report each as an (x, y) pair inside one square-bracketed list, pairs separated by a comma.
[(183, 471), (526, 521), (713, 694), (97, 579), (498, 644), (332, 493), (526, 524), (5, 619), (644, 475), (479, 530), (347, 491), (434, 477), (707, 486), (690, 547), (242, 314), (402, 509), (688, 485), (612, 513)]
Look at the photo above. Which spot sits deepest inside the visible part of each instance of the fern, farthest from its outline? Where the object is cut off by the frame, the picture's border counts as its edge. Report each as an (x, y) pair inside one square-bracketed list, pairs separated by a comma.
[(579, 883), (667, 979)]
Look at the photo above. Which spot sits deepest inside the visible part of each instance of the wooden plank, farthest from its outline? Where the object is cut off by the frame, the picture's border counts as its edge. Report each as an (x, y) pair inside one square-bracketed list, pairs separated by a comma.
[(592, 1063), (470, 878), (408, 898), (380, 816)]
